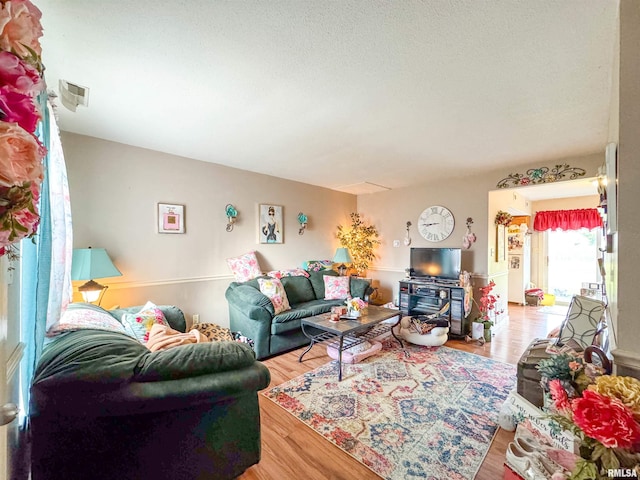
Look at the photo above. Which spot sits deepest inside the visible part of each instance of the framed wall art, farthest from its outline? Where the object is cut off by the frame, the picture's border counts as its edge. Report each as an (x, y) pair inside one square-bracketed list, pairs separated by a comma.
[(170, 218), (270, 227)]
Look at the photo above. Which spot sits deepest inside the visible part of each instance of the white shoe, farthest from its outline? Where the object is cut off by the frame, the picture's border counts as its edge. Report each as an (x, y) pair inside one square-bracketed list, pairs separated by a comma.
[(531, 446), (526, 465)]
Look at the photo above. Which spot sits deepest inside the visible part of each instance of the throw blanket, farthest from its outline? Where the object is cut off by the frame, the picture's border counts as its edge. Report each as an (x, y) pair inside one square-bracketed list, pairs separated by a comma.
[(162, 337)]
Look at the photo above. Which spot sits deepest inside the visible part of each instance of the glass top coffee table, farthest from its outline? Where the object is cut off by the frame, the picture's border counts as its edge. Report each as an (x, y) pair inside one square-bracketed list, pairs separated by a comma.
[(345, 333)]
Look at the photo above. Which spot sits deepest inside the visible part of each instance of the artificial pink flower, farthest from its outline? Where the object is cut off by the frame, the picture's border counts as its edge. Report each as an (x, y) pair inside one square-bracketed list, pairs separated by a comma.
[(20, 26), (19, 208), (606, 420), (19, 75), (18, 108), (559, 396), (20, 156)]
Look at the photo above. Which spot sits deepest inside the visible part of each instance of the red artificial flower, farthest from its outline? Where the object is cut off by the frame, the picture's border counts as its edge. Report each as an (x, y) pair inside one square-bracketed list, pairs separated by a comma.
[(559, 396), (19, 75), (18, 108), (606, 420)]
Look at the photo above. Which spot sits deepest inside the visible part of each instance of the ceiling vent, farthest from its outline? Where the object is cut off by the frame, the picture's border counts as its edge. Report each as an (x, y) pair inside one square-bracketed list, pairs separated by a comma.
[(72, 95)]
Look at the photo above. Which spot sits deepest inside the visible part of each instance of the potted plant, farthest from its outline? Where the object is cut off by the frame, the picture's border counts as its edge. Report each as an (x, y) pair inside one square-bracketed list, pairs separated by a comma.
[(486, 305), (360, 239)]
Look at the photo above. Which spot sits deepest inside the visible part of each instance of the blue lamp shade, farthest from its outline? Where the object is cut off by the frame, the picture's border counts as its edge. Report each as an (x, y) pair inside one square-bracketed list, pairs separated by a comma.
[(90, 263), (342, 256)]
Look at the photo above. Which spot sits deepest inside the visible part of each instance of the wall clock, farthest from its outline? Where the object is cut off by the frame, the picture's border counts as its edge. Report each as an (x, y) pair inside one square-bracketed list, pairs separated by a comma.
[(436, 223)]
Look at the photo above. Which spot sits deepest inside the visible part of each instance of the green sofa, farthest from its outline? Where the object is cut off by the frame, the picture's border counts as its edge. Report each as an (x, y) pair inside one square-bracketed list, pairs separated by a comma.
[(252, 313), (105, 407)]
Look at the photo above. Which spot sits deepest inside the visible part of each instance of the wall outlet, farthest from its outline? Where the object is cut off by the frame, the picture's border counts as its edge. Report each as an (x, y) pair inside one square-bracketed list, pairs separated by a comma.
[(196, 318)]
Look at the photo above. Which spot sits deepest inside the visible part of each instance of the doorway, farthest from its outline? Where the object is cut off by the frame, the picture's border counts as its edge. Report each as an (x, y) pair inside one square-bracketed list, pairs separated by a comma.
[(572, 259)]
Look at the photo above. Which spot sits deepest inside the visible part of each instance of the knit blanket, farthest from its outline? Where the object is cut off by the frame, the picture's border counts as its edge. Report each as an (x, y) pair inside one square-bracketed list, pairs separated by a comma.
[(162, 337)]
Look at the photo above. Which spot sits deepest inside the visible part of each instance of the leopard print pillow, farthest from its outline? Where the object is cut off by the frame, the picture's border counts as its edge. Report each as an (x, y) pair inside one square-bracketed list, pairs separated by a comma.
[(215, 333)]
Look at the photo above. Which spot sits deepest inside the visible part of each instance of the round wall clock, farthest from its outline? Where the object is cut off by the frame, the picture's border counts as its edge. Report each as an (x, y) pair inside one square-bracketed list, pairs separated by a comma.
[(436, 223)]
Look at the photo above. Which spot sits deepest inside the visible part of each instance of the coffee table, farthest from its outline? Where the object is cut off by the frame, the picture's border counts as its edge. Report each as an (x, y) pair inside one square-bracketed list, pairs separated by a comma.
[(345, 334)]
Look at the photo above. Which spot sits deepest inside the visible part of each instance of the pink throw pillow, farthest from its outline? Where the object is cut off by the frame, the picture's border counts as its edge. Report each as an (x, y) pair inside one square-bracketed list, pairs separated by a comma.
[(335, 288), (245, 267)]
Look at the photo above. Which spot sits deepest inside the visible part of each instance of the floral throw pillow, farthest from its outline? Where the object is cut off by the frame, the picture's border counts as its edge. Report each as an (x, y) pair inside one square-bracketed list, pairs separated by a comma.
[(295, 272), (335, 288), (245, 267), (75, 318), (138, 325), (317, 265), (272, 288)]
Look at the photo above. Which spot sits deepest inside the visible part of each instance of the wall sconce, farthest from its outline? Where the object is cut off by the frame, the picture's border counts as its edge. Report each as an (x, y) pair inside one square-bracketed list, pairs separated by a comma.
[(232, 214), (90, 263), (302, 219)]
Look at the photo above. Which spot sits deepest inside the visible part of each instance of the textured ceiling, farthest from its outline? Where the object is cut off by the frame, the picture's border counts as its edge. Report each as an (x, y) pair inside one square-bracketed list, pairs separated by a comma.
[(344, 94)]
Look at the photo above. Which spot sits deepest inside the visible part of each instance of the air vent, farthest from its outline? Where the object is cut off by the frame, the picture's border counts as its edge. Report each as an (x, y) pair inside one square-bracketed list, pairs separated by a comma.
[(72, 95)]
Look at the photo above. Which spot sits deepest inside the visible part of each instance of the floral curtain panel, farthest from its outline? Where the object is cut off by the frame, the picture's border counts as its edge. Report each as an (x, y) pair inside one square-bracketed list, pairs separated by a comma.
[(588, 218)]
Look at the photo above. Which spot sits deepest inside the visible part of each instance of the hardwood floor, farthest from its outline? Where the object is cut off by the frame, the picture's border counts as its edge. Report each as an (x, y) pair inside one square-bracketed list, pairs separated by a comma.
[(291, 450)]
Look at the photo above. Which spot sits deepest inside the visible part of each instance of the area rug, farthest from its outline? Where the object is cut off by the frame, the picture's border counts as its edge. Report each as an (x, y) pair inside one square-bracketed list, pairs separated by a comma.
[(428, 415)]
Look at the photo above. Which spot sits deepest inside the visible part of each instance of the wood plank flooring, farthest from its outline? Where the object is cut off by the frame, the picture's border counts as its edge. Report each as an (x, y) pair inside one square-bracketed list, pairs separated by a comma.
[(291, 450)]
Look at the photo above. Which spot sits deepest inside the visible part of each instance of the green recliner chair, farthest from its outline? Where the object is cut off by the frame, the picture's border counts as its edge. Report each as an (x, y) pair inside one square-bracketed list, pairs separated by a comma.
[(105, 407)]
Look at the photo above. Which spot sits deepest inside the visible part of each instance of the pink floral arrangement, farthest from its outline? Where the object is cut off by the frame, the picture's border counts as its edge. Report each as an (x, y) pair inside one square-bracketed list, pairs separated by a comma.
[(604, 415), (21, 153), (487, 303), (355, 303)]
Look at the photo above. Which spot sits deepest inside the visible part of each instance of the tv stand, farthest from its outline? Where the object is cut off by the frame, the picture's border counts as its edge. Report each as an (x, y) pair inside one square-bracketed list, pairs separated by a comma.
[(424, 296)]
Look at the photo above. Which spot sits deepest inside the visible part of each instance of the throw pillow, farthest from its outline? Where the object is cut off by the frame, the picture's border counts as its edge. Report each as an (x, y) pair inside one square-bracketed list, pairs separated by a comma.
[(245, 267), (214, 332), (138, 325), (336, 288), (75, 318), (317, 265), (272, 288), (295, 272)]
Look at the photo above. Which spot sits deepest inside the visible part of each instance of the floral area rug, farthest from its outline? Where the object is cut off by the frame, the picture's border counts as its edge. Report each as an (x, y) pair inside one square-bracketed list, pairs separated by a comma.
[(428, 415)]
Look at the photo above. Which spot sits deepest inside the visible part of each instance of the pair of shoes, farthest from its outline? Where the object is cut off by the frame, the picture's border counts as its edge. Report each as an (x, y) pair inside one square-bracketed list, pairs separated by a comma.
[(560, 460), (529, 465), (532, 447)]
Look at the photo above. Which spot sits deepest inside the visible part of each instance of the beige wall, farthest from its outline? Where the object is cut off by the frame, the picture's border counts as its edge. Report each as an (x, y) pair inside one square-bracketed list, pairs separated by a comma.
[(114, 191)]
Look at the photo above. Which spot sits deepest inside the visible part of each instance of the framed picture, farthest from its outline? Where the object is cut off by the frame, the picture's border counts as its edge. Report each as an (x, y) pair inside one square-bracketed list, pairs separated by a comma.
[(170, 218), (611, 165), (270, 227), (500, 241)]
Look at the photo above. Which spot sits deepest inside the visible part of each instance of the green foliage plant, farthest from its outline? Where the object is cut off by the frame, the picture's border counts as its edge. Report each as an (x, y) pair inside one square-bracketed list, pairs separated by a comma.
[(361, 240)]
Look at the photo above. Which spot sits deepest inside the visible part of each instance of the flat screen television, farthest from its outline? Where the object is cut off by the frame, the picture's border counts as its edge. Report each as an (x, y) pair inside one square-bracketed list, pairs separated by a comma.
[(436, 263)]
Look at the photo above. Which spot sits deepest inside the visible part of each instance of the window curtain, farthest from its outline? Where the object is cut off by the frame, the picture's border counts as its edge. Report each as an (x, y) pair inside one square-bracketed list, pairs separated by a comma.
[(46, 263), (588, 218)]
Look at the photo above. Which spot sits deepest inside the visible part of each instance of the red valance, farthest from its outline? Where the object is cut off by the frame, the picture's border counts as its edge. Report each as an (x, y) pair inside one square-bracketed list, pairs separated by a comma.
[(567, 219)]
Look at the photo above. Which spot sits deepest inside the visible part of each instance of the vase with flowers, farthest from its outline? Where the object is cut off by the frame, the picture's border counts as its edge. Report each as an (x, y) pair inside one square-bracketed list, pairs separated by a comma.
[(355, 306), (602, 411), (486, 309)]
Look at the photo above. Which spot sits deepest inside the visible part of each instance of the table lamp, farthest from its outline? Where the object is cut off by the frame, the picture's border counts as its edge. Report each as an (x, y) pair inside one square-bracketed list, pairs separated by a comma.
[(90, 263), (342, 256)]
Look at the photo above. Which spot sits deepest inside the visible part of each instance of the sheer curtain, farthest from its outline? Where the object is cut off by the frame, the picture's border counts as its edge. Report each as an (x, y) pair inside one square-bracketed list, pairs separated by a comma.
[(46, 263), (588, 218)]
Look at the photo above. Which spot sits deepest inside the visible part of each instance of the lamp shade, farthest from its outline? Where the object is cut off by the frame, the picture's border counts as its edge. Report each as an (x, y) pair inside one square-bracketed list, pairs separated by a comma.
[(342, 256), (90, 263)]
